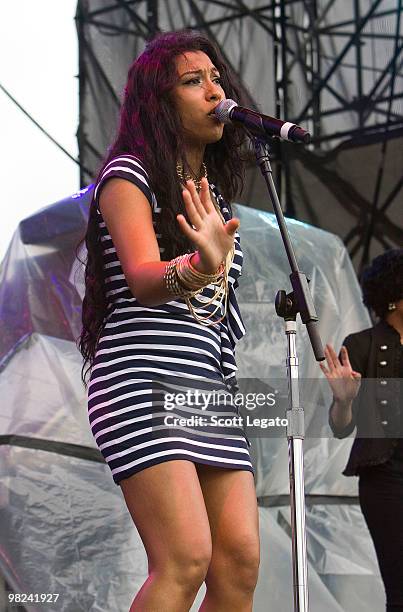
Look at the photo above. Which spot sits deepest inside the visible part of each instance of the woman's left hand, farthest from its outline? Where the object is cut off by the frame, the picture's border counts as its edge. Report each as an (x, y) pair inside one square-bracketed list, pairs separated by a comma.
[(212, 237)]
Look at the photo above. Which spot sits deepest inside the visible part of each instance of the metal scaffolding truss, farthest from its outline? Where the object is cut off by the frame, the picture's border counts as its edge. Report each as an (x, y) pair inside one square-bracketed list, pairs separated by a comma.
[(337, 65), (352, 67), (333, 66)]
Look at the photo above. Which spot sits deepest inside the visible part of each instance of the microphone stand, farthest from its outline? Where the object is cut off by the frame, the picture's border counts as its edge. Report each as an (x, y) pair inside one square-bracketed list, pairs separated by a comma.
[(287, 307)]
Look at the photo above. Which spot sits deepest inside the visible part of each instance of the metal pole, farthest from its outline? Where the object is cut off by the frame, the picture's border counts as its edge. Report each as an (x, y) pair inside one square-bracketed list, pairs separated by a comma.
[(287, 307), (295, 436)]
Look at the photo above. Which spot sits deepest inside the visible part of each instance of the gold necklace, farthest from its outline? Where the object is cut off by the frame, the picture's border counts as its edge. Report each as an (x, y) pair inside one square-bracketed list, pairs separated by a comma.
[(190, 176)]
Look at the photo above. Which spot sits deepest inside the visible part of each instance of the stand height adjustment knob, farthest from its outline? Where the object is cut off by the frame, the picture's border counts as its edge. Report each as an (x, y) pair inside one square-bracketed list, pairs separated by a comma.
[(285, 304)]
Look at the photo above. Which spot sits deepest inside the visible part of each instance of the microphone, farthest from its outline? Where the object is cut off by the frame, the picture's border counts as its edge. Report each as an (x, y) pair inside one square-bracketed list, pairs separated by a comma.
[(228, 111)]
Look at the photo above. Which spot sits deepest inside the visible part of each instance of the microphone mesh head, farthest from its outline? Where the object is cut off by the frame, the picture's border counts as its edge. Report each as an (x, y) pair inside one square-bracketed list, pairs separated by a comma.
[(222, 110)]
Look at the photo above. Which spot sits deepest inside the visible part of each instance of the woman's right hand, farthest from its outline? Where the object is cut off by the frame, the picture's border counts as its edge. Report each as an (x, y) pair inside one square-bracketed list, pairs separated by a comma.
[(343, 380), (212, 238)]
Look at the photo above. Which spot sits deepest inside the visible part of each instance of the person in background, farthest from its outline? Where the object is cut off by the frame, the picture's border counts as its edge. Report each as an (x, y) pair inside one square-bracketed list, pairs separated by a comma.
[(366, 397)]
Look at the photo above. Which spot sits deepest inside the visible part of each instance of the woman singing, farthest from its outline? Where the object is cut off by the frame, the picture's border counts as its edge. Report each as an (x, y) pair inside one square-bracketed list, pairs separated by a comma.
[(374, 407), (160, 314)]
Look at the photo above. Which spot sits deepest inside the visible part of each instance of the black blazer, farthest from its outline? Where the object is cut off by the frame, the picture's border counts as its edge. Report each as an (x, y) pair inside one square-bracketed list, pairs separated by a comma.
[(376, 354)]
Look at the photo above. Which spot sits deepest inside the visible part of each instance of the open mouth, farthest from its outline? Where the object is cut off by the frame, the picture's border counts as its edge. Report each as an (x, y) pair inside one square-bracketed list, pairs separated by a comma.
[(212, 115)]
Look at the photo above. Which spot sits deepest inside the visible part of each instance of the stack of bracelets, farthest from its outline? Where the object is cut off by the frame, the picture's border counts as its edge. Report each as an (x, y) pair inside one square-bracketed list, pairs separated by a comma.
[(183, 280)]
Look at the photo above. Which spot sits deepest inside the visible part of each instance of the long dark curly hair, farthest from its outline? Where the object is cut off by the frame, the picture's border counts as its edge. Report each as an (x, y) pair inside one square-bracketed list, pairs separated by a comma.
[(382, 282), (150, 128)]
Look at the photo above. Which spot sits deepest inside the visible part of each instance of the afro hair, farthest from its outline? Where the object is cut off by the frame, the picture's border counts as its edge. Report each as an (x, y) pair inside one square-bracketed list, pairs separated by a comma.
[(382, 281)]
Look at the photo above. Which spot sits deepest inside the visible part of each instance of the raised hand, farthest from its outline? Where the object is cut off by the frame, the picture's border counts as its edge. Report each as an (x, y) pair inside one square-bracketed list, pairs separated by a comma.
[(343, 380), (212, 238)]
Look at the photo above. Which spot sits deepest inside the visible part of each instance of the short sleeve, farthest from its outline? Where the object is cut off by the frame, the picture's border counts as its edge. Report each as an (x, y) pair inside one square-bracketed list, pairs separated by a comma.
[(129, 168)]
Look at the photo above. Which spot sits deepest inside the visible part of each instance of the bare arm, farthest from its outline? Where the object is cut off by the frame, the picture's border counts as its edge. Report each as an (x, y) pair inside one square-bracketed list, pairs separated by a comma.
[(345, 384), (341, 413), (127, 214)]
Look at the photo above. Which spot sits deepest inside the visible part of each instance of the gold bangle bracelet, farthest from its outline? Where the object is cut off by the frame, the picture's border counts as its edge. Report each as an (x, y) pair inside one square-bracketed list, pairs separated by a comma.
[(185, 281)]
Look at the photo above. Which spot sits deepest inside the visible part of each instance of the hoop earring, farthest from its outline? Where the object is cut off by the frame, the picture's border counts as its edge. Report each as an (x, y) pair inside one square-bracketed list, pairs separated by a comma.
[(391, 306)]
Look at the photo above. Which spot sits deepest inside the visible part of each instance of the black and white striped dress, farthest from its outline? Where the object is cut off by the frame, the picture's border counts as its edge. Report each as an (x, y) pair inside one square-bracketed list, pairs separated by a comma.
[(148, 354)]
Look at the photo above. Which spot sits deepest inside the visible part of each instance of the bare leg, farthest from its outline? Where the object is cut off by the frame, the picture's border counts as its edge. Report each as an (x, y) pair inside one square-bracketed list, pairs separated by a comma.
[(167, 507), (230, 499)]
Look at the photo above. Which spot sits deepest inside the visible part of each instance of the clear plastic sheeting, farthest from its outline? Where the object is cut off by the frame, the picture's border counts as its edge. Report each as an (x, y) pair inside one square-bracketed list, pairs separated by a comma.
[(36, 291), (42, 393), (64, 527), (262, 352), (65, 530)]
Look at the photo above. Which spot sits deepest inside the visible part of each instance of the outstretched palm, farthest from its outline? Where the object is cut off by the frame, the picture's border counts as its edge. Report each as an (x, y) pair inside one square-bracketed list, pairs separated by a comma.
[(343, 380), (212, 238)]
